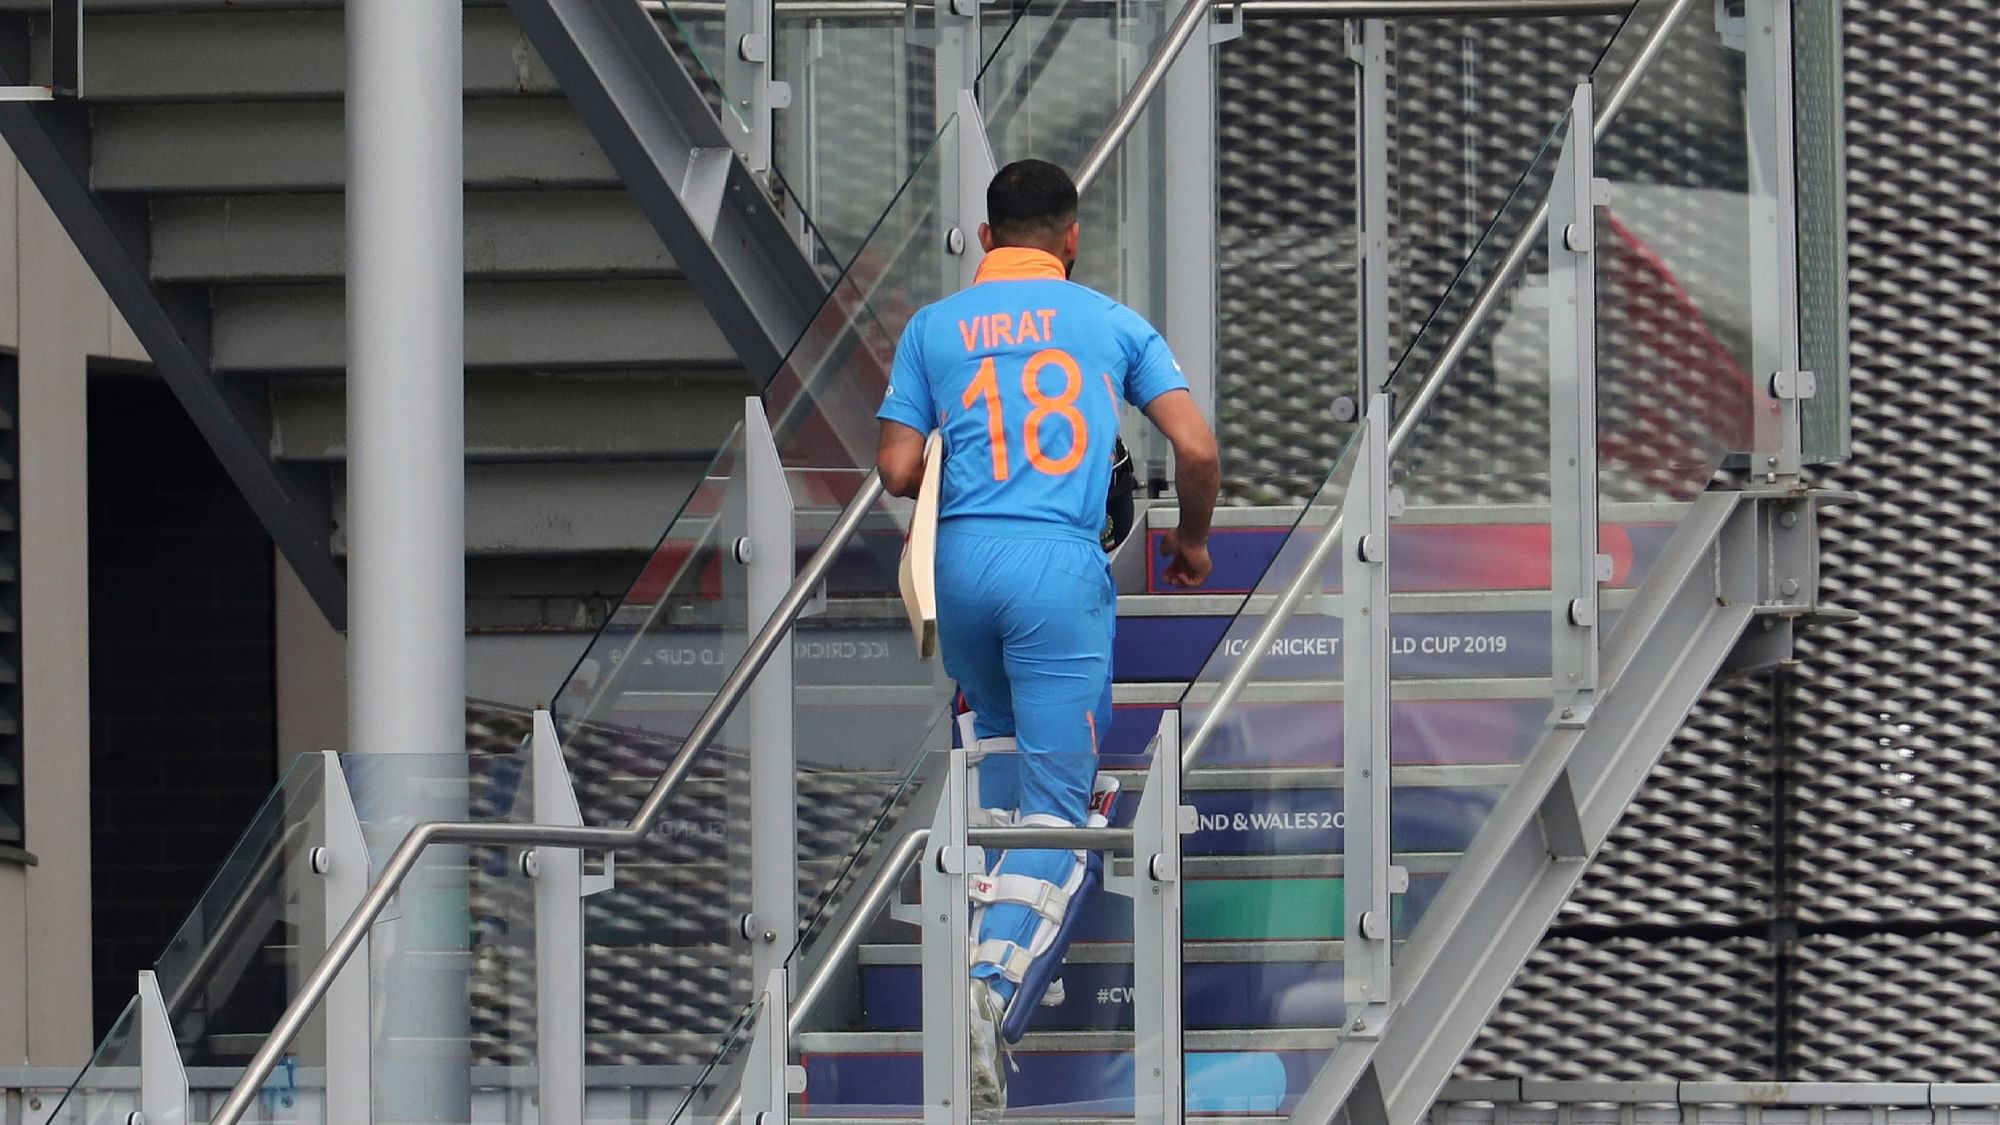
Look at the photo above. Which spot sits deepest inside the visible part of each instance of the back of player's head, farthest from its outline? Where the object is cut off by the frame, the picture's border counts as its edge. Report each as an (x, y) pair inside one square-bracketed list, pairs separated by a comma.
[(1030, 203)]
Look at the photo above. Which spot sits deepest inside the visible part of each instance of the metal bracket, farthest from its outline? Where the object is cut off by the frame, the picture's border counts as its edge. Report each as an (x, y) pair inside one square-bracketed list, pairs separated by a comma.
[(1229, 30), (1799, 385), (1732, 27), (602, 881), (966, 859)]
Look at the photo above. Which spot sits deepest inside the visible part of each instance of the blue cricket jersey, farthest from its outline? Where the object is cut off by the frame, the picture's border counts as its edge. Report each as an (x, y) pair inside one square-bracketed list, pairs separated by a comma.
[(1023, 372)]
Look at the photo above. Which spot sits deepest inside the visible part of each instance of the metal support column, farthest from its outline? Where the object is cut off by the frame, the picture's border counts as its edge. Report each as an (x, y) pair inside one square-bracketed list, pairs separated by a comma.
[(406, 514), (1774, 257), (163, 1084), (750, 41), (768, 554), (1157, 1078), (1575, 567), (342, 867), (947, 951), (560, 888), (1364, 647)]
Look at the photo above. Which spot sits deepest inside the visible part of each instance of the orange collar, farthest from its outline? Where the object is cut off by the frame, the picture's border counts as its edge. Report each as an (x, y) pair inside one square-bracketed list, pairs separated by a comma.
[(1019, 263)]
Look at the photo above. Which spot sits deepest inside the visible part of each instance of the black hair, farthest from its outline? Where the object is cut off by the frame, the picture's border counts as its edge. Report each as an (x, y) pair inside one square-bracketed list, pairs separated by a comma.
[(1030, 202)]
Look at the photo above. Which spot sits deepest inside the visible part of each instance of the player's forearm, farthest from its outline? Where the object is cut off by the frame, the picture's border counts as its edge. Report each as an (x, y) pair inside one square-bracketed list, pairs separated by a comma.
[(902, 481), (1197, 479)]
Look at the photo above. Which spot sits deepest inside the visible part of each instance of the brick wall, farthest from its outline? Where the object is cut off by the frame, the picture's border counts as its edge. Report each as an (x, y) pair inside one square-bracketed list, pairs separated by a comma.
[(182, 699)]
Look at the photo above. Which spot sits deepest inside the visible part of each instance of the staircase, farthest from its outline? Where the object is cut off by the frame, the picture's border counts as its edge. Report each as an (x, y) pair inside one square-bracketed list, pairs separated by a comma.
[(201, 173), (1405, 714)]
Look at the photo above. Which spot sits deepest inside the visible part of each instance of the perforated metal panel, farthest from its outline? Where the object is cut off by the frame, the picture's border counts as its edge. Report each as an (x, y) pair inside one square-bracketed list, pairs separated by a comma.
[(1696, 850), (1632, 1008), (1885, 1006), (1886, 742)]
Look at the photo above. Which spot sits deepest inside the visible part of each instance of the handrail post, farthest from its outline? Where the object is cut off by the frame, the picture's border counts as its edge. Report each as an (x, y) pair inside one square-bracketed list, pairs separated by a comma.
[(749, 57), (1365, 616), (766, 554), (163, 1084), (560, 889), (1366, 793), (1779, 385), (1156, 932), (1575, 569), (947, 949), (769, 1077), (962, 173), (343, 875)]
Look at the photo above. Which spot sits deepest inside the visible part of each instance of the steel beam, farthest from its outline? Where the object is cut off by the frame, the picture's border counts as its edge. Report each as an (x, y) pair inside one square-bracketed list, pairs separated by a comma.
[(665, 143), (1515, 876), (52, 141)]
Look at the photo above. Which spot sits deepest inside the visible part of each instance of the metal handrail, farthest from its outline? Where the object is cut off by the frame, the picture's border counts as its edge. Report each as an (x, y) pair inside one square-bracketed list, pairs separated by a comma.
[(403, 860), (315, 986), (1483, 307)]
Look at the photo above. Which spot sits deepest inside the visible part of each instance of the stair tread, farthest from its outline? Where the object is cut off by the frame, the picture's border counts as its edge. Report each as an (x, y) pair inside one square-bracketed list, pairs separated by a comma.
[(1066, 1042), (1165, 515), (1225, 951)]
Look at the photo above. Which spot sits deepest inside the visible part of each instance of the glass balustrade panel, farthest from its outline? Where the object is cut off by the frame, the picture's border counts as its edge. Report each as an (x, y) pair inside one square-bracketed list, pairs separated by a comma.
[(1682, 334), (452, 961), (258, 928), (1258, 650)]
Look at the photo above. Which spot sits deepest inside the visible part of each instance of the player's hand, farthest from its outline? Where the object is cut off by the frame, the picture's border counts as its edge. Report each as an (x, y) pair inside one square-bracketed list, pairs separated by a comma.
[(1190, 565)]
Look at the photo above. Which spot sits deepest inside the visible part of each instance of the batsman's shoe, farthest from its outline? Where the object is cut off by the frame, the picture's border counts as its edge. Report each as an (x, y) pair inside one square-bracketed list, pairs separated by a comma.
[(989, 1061)]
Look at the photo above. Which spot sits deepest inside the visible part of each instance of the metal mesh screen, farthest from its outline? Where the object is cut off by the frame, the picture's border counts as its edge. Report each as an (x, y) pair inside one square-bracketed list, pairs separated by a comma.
[(1871, 770)]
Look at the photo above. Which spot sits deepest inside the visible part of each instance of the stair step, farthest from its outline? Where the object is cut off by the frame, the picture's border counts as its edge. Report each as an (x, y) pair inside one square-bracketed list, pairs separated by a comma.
[(240, 239), (1307, 647), (1067, 1074), (1269, 899), (1099, 996), (1504, 547), (1120, 953), (277, 52), (509, 325), (247, 147), (626, 416)]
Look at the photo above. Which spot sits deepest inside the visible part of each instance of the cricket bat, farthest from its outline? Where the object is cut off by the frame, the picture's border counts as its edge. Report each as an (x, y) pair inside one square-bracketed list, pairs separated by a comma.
[(917, 577)]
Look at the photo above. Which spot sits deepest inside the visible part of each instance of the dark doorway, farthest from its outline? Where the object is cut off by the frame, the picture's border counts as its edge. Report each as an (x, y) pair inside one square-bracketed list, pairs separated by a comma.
[(183, 714)]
